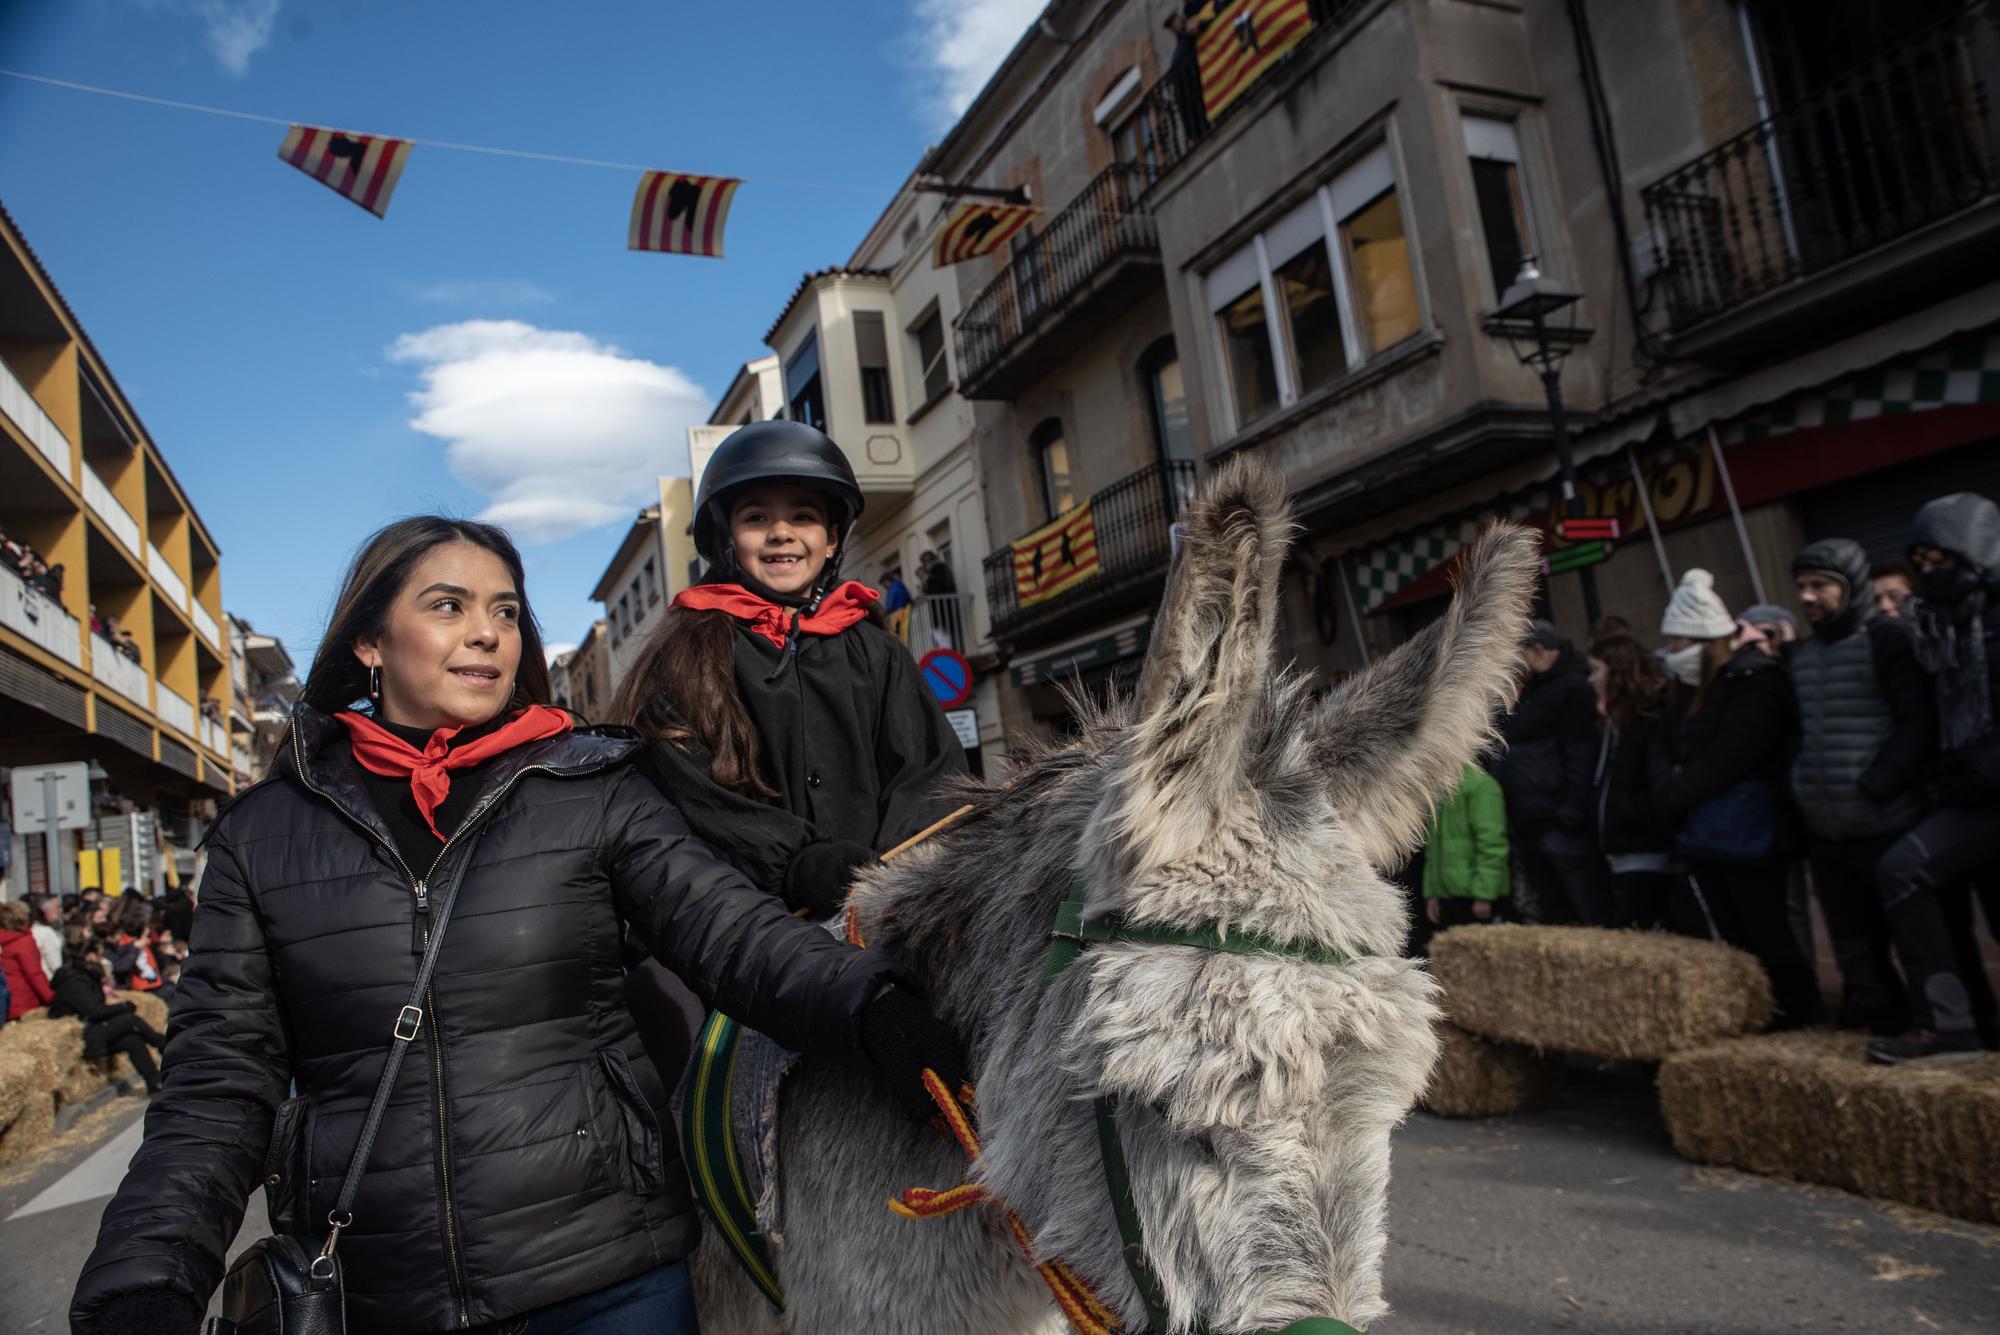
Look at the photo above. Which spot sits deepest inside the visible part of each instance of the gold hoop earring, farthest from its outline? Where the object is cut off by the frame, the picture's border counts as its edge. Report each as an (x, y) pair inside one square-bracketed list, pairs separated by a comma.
[(375, 683)]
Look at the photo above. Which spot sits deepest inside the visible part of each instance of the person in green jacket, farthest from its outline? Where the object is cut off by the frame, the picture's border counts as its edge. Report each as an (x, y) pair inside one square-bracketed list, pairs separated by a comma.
[(1465, 862)]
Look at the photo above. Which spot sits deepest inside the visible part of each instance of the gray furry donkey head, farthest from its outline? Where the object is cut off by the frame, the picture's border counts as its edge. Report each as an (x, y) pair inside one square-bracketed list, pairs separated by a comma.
[(1257, 1091)]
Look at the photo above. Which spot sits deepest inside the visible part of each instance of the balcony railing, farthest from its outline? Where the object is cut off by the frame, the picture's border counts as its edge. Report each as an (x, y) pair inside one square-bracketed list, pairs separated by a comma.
[(935, 621), (1134, 519), (205, 623), (174, 709), (1098, 226), (36, 425), (164, 574), (106, 507), (215, 737), (40, 619), (119, 673), (1894, 145)]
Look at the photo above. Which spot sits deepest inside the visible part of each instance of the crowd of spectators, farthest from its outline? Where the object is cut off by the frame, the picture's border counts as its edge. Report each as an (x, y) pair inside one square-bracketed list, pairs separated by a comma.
[(34, 571), (1712, 781), (107, 628)]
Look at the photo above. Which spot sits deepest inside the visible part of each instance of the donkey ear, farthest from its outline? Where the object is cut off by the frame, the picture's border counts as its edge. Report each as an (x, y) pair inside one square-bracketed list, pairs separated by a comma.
[(1393, 740), (1205, 674)]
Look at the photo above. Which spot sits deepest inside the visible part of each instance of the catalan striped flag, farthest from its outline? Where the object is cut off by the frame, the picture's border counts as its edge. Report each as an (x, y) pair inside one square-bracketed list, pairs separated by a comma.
[(979, 229), (681, 214), (364, 167), (1059, 554), (1245, 38)]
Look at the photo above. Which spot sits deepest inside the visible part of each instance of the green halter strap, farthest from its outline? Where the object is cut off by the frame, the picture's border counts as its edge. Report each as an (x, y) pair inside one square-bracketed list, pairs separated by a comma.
[(1071, 935)]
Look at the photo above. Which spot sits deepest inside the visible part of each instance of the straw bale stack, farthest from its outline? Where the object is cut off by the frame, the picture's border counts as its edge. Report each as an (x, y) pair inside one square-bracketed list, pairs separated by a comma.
[(54, 1045), (148, 1005), (1808, 1106), (33, 1127), (1624, 995), (1476, 1077), (19, 1082)]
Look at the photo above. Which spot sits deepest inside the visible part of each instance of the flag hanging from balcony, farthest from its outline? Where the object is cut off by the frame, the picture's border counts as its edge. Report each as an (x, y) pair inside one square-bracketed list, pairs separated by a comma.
[(363, 167), (681, 214), (979, 229), (1059, 554), (1245, 38)]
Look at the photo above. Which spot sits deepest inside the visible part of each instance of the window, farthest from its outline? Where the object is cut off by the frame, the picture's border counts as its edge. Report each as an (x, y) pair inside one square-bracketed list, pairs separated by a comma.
[(1315, 294), (871, 349), (638, 602), (1052, 460), (1495, 154), (1132, 142), (620, 616), (930, 351), (802, 389), (652, 581), (1160, 368), (1027, 274)]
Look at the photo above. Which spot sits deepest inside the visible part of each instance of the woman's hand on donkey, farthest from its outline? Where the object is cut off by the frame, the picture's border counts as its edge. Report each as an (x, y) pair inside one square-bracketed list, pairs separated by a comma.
[(902, 1039)]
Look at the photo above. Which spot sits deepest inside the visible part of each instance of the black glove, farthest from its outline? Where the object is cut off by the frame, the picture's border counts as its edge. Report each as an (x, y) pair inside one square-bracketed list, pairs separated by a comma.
[(901, 1037), (154, 1312), (821, 873)]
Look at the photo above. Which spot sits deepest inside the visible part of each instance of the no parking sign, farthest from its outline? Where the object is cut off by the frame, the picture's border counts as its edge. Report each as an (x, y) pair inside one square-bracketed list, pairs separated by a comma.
[(948, 676)]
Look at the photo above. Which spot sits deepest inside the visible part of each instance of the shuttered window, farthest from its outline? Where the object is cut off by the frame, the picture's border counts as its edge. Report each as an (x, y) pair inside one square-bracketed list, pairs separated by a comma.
[(871, 347)]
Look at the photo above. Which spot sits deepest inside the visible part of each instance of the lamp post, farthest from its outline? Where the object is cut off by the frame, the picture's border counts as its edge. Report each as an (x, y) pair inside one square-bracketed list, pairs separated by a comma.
[(1538, 320)]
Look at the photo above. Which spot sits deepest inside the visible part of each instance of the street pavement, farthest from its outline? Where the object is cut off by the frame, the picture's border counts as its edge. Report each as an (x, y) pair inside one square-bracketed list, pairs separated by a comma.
[(1576, 1218)]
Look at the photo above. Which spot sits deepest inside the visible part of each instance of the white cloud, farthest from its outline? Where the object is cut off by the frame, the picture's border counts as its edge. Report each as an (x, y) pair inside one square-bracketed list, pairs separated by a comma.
[(556, 651), (561, 432), (959, 43), (486, 292), (235, 29)]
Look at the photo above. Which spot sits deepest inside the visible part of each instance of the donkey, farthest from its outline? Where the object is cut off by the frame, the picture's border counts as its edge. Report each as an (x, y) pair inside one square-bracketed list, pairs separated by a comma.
[(1256, 1092)]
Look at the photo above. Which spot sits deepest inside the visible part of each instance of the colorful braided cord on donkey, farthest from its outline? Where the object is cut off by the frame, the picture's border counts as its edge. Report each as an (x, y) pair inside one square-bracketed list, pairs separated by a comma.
[(1241, 1034)]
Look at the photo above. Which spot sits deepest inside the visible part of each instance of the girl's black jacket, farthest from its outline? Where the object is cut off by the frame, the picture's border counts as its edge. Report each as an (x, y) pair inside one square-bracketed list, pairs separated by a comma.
[(854, 745), (525, 1157)]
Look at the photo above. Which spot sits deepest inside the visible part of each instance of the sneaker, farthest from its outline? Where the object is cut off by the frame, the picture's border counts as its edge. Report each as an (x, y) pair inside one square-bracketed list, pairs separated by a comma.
[(1918, 1045)]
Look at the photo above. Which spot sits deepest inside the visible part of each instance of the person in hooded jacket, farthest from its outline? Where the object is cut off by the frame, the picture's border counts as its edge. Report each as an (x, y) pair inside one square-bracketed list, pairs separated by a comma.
[(525, 1178), (1866, 733), (793, 731), (1545, 772), (1729, 738), (1954, 543)]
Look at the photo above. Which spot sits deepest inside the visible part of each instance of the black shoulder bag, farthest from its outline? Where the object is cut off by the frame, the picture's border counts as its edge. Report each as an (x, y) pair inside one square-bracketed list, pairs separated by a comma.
[(279, 1286)]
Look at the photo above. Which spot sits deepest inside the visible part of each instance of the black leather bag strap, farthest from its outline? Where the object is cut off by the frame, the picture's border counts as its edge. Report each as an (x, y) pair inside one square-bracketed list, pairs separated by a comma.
[(409, 1022)]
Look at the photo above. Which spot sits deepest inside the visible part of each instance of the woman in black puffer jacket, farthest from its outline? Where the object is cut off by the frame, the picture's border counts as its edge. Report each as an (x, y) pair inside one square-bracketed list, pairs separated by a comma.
[(524, 1168), (1632, 757)]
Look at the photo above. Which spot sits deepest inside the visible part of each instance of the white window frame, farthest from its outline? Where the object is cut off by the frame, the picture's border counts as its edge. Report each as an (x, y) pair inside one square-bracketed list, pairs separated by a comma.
[(1331, 204)]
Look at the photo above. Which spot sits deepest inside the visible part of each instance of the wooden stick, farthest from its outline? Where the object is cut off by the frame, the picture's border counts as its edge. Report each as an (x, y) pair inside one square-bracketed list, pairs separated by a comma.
[(936, 827)]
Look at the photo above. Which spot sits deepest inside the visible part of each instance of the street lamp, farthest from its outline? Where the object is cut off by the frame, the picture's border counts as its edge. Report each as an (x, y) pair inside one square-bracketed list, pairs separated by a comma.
[(1539, 320)]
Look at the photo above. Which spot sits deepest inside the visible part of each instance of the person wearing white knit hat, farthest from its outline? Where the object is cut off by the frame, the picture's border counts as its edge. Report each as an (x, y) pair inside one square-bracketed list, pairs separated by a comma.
[(1729, 740)]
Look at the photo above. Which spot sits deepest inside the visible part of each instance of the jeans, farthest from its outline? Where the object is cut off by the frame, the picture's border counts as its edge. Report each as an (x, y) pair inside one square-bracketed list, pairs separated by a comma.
[(1843, 872), (1944, 849), (1747, 903), (659, 1302)]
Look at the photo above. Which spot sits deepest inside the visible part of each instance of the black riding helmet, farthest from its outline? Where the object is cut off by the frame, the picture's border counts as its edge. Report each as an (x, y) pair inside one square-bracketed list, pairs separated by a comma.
[(775, 451)]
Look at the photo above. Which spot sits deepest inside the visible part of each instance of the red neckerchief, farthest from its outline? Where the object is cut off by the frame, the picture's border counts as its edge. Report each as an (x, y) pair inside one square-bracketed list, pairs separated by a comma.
[(380, 751), (845, 605)]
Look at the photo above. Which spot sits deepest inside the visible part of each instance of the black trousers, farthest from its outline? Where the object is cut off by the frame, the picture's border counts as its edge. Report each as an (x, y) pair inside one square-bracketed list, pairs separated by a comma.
[(1843, 871), (128, 1035), (1642, 899), (1747, 904), (1570, 877), (1945, 849)]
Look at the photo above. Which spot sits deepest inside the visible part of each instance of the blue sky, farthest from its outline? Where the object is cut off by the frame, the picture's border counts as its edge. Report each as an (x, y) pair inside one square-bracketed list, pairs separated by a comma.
[(491, 347)]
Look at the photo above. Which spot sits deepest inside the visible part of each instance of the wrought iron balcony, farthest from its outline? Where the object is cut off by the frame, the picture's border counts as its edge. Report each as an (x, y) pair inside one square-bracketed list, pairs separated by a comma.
[(1134, 519), (1036, 311), (1880, 154)]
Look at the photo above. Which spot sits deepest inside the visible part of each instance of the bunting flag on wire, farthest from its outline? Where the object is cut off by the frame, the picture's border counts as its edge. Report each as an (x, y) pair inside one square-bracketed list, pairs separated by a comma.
[(681, 214), (979, 229), (1245, 38), (363, 167)]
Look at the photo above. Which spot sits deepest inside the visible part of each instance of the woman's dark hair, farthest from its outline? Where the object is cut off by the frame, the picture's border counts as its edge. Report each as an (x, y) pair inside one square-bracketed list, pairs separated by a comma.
[(1634, 682), (378, 573), (1715, 656), (683, 689), (133, 916)]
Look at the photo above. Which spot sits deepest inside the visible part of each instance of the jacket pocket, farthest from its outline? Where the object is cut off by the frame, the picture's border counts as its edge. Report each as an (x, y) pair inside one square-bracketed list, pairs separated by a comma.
[(285, 1171), (642, 1167)]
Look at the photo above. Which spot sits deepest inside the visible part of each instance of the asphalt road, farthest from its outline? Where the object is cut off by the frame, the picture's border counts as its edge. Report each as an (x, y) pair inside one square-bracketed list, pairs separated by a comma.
[(1577, 1218)]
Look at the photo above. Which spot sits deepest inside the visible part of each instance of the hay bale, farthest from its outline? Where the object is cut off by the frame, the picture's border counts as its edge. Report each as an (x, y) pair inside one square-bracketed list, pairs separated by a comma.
[(55, 1045), (19, 1082), (147, 1005), (83, 1079), (1808, 1106), (1625, 995), (33, 1127), (1476, 1077)]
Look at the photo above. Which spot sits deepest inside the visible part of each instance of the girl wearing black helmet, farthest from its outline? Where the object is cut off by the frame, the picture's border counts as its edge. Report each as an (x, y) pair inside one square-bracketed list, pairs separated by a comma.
[(792, 730)]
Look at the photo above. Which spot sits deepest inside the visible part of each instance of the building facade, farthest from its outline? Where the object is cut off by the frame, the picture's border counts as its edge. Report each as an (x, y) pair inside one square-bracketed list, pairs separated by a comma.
[(111, 613), (1778, 223)]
